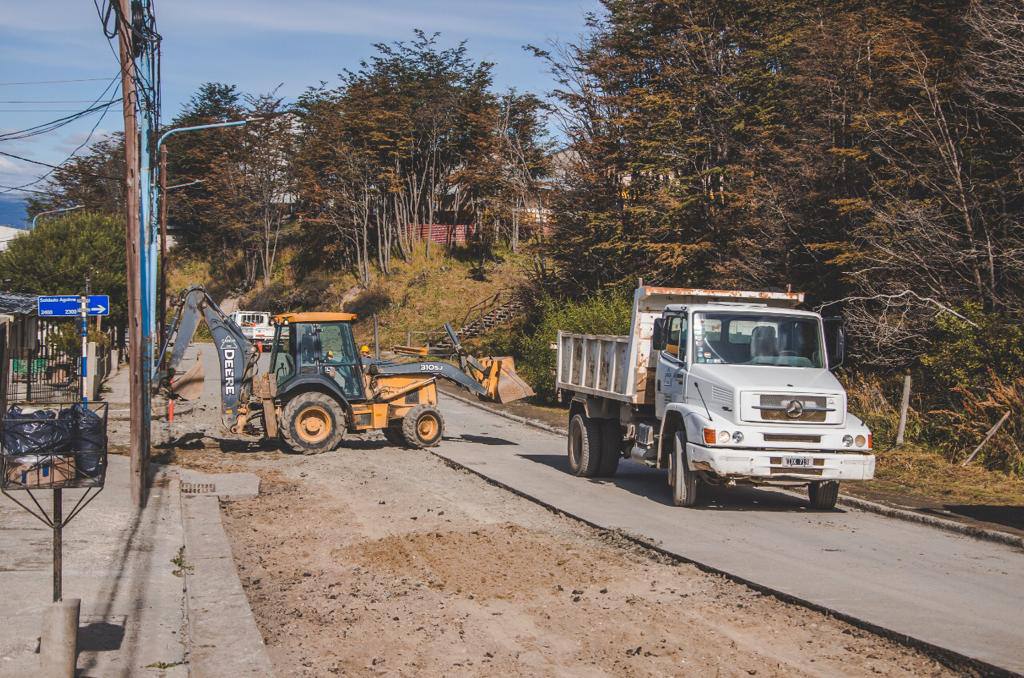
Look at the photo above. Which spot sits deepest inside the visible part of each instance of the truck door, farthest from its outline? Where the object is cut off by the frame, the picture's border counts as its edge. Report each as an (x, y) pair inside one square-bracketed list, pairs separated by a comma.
[(671, 373)]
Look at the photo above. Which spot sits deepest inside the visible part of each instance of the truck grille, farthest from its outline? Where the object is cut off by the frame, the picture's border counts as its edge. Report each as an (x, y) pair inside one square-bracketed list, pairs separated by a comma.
[(793, 408), (790, 438)]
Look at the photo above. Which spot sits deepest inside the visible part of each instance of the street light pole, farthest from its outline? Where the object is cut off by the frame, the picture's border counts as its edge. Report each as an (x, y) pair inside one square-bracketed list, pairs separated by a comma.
[(162, 176), (56, 211)]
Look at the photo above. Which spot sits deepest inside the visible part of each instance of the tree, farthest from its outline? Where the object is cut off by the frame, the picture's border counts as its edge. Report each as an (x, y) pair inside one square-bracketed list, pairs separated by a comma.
[(415, 136), (94, 180), (60, 253)]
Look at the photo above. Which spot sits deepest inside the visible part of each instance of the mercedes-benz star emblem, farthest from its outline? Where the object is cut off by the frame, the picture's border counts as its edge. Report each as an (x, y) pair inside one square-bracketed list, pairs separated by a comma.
[(794, 409)]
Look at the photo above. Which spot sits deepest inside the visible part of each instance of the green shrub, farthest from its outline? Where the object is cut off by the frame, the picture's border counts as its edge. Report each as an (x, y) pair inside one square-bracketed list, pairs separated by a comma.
[(965, 353), (973, 375), (531, 344)]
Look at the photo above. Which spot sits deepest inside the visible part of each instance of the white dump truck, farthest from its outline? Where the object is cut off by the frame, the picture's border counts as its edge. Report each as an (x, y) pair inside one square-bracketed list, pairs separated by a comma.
[(720, 388)]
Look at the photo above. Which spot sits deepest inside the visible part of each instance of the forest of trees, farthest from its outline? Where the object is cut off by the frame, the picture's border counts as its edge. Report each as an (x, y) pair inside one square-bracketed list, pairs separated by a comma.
[(416, 135), (868, 153)]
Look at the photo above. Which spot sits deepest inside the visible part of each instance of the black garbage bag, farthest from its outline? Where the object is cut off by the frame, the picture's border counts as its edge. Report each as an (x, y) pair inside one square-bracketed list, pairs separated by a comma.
[(90, 440), (39, 432)]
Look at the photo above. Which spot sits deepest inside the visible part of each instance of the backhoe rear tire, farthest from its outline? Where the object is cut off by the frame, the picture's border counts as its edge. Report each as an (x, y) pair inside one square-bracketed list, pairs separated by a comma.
[(422, 426), (312, 423)]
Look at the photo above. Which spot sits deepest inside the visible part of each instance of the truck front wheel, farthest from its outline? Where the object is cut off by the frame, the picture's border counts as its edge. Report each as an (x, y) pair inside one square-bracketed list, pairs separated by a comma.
[(686, 484), (823, 494), (584, 446)]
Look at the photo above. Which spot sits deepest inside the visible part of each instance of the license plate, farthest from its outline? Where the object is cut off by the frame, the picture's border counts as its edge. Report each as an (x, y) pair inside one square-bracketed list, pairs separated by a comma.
[(797, 461)]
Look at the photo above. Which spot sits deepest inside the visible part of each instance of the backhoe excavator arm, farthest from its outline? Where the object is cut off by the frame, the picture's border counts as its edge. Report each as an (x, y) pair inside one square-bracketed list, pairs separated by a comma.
[(236, 354)]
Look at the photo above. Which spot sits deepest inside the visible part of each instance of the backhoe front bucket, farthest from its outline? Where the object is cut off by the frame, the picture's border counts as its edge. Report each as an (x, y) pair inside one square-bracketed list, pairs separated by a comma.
[(189, 386), (510, 386)]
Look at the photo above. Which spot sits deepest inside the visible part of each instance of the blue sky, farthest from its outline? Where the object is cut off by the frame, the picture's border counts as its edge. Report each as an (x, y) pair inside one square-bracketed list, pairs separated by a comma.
[(256, 44)]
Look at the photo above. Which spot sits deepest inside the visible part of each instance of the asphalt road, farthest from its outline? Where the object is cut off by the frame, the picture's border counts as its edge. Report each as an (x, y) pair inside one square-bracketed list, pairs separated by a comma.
[(952, 591)]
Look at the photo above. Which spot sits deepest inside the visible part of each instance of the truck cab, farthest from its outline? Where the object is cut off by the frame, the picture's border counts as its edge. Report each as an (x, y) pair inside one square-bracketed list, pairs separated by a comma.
[(753, 387), (720, 388), (256, 327)]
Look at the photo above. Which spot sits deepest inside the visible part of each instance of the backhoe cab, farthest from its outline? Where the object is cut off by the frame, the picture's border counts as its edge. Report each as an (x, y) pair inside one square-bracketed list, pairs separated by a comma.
[(320, 387)]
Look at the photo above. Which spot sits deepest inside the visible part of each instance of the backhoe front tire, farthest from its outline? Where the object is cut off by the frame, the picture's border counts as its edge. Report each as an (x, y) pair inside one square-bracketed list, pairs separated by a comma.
[(422, 426), (312, 423), (823, 494)]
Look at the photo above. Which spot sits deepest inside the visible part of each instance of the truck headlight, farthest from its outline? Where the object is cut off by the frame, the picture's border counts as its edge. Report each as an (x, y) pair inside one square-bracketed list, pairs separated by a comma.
[(737, 437), (713, 437), (847, 440), (861, 441)]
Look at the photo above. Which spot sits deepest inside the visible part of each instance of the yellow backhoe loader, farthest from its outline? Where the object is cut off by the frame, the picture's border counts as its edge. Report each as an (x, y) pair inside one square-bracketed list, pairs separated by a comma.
[(319, 386)]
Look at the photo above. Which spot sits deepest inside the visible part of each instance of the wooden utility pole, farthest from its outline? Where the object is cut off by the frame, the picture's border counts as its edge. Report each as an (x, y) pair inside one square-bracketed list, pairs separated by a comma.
[(901, 429), (139, 444)]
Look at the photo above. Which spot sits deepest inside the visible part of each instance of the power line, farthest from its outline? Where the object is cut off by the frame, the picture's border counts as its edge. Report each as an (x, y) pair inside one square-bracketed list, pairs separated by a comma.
[(61, 122), (34, 162), (37, 110), (77, 148), (48, 101), (27, 190), (50, 82)]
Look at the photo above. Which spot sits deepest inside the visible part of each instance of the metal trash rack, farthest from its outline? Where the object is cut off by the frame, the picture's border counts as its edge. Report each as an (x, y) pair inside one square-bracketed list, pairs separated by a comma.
[(56, 448)]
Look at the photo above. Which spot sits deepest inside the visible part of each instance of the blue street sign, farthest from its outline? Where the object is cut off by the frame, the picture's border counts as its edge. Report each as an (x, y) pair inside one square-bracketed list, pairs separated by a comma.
[(66, 305)]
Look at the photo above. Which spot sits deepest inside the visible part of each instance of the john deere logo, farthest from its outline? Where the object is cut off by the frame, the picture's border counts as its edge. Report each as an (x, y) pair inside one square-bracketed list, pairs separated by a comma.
[(794, 409)]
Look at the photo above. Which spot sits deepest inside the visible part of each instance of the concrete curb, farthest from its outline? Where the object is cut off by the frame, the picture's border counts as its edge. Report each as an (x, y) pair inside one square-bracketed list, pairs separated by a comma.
[(223, 637), (844, 500)]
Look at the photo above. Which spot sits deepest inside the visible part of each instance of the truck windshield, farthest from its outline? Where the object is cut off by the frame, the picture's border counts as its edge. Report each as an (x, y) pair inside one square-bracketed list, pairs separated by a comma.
[(752, 339)]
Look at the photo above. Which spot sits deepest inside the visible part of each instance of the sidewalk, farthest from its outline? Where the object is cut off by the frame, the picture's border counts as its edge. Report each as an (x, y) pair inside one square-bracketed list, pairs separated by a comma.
[(118, 562), (159, 589)]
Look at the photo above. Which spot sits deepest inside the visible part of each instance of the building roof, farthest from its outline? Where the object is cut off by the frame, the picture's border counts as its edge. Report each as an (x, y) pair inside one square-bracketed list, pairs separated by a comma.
[(17, 303)]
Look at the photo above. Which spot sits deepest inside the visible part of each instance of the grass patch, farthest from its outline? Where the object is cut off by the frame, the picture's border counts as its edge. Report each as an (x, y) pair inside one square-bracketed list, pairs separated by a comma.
[(425, 292), (164, 665), (181, 566), (916, 470)]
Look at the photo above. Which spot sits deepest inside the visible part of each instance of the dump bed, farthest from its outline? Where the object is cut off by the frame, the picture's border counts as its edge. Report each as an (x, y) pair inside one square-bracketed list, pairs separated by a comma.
[(621, 367)]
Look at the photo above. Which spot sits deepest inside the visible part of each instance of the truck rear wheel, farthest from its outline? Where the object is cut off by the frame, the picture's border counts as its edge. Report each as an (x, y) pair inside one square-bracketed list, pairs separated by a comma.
[(611, 441), (312, 423), (422, 426), (584, 445), (823, 494), (686, 484)]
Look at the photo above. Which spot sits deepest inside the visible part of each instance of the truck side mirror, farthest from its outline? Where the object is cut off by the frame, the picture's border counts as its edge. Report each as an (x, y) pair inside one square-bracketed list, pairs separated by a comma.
[(835, 342), (658, 338)]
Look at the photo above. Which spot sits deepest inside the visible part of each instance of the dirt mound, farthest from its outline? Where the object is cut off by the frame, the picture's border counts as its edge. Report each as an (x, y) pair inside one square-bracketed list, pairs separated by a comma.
[(491, 562)]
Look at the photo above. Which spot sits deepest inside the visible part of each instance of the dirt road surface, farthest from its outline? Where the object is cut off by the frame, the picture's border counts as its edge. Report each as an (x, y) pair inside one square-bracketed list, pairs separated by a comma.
[(374, 560), (383, 561)]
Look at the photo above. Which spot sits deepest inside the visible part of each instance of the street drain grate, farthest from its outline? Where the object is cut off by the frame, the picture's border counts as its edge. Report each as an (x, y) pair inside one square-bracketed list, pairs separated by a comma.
[(198, 488)]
